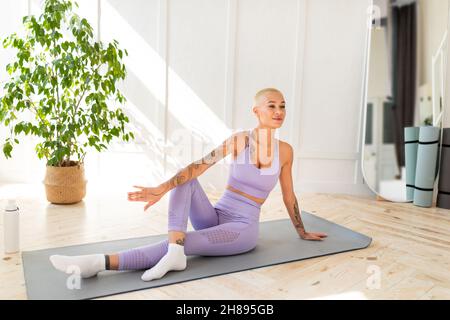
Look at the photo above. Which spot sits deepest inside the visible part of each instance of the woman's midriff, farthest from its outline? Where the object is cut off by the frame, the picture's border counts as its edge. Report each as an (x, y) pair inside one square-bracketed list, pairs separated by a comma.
[(258, 200)]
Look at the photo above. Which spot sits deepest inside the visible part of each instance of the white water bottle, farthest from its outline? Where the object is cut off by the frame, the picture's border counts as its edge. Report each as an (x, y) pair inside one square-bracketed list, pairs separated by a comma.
[(11, 227)]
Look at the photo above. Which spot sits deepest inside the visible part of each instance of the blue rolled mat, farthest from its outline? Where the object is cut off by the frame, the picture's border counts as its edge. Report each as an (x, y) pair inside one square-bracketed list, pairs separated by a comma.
[(443, 198), (411, 145), (426, 168)]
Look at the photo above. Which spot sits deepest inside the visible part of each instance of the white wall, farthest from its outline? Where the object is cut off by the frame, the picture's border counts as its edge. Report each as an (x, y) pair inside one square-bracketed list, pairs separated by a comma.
[(433, 22), (329, 146), (196, 65)]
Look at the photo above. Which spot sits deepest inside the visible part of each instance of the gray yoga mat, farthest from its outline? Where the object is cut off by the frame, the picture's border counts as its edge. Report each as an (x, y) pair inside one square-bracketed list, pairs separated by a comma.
[(427, 164), (278, 243), (443, 198), (411, 145)]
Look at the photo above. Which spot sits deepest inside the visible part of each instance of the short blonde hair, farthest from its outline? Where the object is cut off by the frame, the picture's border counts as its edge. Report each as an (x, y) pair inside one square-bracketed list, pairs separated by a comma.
[(262, 92)]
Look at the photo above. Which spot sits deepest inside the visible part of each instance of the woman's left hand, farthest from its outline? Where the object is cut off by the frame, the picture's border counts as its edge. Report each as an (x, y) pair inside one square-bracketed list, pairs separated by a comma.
[(315, 236)]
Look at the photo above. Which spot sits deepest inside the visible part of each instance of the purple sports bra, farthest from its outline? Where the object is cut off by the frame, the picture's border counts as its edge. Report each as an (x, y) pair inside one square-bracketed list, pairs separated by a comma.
[(246, 177)]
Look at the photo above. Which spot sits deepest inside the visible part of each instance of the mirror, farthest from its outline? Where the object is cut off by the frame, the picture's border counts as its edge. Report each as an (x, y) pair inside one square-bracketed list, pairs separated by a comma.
[(406, 63)]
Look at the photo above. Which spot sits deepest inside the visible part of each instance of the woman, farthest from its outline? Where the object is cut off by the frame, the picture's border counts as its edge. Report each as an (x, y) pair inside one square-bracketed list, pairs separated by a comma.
[(231, 225)]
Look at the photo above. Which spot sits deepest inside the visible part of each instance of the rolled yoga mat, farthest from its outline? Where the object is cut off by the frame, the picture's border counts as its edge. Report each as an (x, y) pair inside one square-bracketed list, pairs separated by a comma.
[(411, 145), (427, 164), (278, 243), (443, 198)]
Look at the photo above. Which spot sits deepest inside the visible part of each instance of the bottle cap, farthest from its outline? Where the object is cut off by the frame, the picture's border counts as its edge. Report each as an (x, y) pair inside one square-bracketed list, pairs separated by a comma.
[(11, 205)]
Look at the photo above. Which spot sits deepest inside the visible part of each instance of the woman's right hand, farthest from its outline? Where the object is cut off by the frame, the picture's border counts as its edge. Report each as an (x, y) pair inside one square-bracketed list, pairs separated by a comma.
[(151, 195)]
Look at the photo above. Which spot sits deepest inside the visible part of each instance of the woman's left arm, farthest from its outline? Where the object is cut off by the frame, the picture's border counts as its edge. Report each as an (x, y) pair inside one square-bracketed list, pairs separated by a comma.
[(289, 198)]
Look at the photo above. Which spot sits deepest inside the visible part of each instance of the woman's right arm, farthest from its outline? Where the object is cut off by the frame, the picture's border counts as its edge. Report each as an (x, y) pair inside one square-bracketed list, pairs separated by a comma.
[(197, 167), (192, 171)]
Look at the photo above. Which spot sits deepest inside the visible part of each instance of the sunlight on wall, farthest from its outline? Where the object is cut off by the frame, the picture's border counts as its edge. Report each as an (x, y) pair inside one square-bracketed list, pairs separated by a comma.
[(195, 117), (149, 67)]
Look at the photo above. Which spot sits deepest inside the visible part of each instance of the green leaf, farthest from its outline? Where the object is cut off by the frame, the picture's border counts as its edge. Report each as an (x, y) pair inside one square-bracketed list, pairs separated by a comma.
[(18, 128), (7, 148)]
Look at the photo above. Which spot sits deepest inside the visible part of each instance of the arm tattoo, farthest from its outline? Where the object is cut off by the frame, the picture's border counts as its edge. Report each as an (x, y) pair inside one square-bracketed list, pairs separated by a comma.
[(187, 173), (298, 219), (180, 177), (183, 175), (215, 155), (210, 158), (180, 241)]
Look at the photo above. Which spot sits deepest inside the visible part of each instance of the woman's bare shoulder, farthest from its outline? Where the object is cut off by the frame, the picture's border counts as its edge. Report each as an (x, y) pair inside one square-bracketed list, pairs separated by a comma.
[(286, 152)]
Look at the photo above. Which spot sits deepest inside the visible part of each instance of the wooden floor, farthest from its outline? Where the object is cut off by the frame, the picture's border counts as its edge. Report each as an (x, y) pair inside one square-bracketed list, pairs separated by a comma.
[(409, 257)]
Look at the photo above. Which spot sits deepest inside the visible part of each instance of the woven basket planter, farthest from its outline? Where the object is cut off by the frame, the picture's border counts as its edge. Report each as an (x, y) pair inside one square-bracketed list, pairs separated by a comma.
[(65, 185)]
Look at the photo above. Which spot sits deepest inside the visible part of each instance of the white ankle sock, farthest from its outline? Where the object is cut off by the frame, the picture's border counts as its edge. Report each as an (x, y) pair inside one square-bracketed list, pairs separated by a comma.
[(89, 265), (175, 259)]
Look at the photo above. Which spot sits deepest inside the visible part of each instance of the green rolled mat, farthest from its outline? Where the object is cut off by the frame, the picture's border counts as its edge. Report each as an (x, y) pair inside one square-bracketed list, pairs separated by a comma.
[(443, 198), (426, 168), (411, 145)]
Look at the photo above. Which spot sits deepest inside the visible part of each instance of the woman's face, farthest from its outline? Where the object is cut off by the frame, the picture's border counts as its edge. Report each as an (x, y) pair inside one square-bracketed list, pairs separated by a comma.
[(270, 110)]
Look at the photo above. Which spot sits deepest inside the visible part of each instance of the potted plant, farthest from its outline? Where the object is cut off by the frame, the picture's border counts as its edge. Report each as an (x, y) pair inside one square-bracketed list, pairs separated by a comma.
[(68, 82)]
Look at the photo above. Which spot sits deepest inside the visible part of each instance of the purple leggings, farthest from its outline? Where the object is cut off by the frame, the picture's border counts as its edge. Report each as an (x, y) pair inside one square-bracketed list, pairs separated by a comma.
[(229, 227)]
